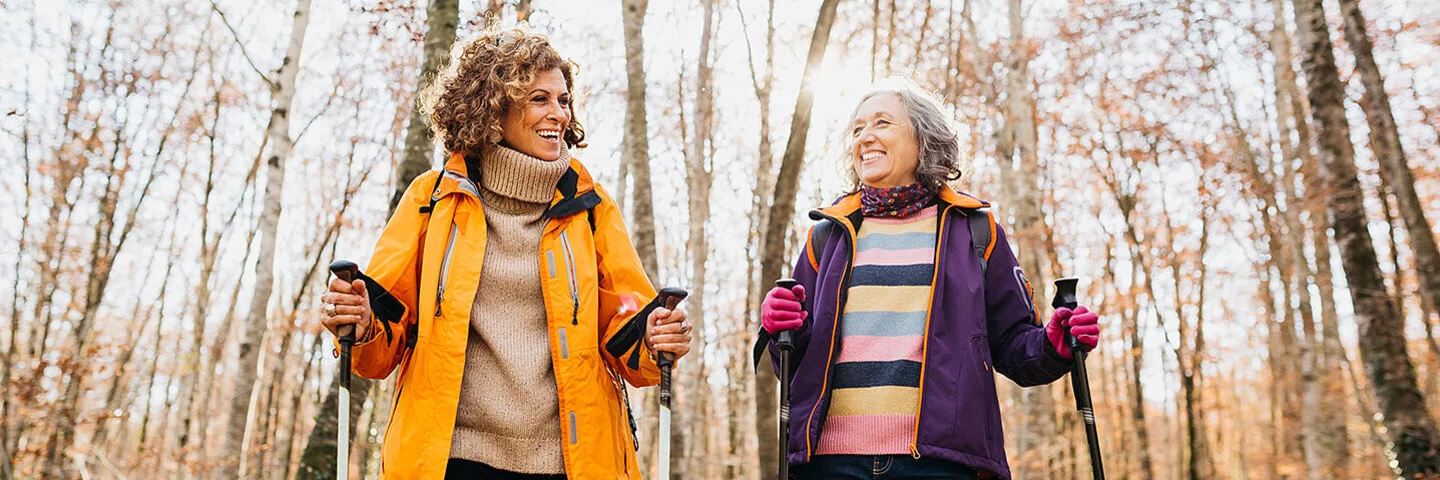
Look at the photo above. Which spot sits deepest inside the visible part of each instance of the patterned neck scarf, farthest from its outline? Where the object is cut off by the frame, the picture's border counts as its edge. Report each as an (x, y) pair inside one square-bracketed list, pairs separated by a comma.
[(901, 201)]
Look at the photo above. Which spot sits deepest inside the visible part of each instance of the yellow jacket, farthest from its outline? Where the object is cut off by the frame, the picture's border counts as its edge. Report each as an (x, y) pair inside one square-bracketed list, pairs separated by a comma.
[(428, 257)]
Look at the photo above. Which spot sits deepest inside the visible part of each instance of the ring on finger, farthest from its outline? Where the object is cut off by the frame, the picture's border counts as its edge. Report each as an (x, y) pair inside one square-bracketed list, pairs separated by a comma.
[(685, 327), (330, 309)]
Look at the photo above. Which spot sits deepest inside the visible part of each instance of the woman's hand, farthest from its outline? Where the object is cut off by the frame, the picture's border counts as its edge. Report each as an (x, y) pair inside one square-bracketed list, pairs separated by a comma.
[(667, 331), (1082, 323), (346, 304), (782, 309)]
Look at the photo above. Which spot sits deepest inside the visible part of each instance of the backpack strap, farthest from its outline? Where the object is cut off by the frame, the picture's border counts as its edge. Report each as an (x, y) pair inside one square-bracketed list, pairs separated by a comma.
[(817, 241), (982, 235)]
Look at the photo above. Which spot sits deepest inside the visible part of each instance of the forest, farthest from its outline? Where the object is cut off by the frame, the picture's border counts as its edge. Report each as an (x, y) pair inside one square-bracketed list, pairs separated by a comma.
[(1247, 190)]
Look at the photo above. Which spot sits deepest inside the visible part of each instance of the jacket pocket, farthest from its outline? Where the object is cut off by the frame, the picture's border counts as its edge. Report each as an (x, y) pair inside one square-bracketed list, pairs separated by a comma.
[(976, 406), (985, 385)]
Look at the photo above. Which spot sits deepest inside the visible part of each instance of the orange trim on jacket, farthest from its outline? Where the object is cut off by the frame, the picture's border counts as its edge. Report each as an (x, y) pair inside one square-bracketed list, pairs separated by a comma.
[(432, 261)]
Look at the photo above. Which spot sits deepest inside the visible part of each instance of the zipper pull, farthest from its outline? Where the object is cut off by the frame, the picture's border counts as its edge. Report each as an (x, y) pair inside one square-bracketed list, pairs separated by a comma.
[(575, 314), (439, 296), (914, 452)]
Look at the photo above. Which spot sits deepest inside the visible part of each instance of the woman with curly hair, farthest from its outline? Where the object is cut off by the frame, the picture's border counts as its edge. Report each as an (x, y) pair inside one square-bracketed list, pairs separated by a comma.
[(523, 298), (908, 297)]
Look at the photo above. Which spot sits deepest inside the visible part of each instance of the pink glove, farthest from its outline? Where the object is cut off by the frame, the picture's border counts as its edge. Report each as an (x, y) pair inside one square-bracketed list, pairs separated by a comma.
[(782, 310), (1083, 324)]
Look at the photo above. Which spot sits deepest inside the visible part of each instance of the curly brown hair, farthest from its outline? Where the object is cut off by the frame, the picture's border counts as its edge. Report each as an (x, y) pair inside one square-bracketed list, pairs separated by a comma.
[(485, 77)]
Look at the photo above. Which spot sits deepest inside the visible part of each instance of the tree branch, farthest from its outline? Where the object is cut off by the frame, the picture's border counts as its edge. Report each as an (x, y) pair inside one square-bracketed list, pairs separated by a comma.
[(236, 35)]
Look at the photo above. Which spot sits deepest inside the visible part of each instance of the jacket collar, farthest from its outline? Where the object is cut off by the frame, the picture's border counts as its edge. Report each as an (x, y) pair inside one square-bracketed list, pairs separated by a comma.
[(575, 192), (848, 207)]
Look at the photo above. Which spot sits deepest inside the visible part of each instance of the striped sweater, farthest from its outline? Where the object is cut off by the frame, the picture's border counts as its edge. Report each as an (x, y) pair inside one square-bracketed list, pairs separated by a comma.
[(876, 376)]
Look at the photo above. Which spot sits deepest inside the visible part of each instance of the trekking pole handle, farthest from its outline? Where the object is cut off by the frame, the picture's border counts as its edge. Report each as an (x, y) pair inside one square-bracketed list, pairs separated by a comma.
[(348, 271), (784, 339), (670, 298), (1065, 297)]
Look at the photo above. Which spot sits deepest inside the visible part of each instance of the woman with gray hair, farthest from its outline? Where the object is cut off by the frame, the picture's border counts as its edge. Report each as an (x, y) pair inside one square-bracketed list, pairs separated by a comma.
[(914, 296)]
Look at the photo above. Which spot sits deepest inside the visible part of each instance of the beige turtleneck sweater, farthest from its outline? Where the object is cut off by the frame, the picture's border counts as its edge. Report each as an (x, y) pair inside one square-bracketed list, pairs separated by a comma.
[(509, 414)]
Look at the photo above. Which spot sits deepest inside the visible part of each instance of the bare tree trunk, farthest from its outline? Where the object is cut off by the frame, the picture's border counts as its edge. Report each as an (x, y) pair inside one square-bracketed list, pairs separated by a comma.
[(441, 18), (103, 251), (765, 396), (782, 211), (1381, 333), (318, 460), (635, 150), (217, 345), (874, 38), (698, 179), (282, 90), (890, 39), (1327, 449), (1201, 464), (208, 249), (636, 146), (1385, 140), (6, 469), (1039, 428)]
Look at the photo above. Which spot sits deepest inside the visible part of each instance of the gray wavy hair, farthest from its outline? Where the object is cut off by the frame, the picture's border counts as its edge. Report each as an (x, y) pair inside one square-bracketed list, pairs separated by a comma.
[(936, 139)]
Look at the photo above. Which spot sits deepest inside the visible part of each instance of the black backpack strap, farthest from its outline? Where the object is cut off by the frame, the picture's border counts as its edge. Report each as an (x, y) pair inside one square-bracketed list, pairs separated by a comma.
[(982, 235), (434, 195)]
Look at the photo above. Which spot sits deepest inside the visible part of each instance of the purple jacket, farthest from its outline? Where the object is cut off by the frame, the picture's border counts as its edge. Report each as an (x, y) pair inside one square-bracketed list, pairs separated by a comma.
[(972, 325)]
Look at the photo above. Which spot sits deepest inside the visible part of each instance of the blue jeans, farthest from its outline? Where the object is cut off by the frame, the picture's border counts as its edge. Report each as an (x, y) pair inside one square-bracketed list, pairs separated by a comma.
[(878, 467)]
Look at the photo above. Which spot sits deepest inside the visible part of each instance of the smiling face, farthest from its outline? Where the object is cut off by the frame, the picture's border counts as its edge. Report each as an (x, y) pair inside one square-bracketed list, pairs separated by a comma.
[(883, 149), (535, 125)]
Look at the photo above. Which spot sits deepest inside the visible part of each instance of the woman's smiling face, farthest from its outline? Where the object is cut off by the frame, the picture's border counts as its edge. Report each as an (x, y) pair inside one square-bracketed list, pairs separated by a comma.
[(882, 143), (536, 125)]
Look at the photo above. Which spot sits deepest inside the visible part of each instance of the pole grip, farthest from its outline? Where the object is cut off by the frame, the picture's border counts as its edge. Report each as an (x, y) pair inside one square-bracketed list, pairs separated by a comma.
[(1065, 297), (785, 339), (348, 271), (670, 298)]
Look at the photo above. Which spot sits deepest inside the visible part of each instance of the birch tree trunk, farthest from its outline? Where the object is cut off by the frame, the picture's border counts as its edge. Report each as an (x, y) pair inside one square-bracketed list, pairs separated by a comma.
[(698, 177), (1381, 332), (282, 91)]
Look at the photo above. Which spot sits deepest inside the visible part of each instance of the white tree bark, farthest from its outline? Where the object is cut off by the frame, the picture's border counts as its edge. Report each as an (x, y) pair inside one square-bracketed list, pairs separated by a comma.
[(282, 90)]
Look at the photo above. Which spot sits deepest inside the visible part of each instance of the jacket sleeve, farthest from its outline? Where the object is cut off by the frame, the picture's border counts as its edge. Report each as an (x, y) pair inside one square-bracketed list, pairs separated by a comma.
[(621, 273), (393, 265), (807, 274), (1018, 345)]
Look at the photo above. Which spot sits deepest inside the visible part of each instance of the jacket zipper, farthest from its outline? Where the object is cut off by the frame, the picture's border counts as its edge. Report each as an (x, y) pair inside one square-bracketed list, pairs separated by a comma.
[(463, 182), (565, 451), (925, 337), (445, 267), (839, 303), (574, 290)]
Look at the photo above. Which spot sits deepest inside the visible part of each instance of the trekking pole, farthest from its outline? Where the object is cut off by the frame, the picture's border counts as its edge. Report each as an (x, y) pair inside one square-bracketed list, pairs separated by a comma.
[(1065, 297), (670, 297), (345, 270), (783, 343)]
